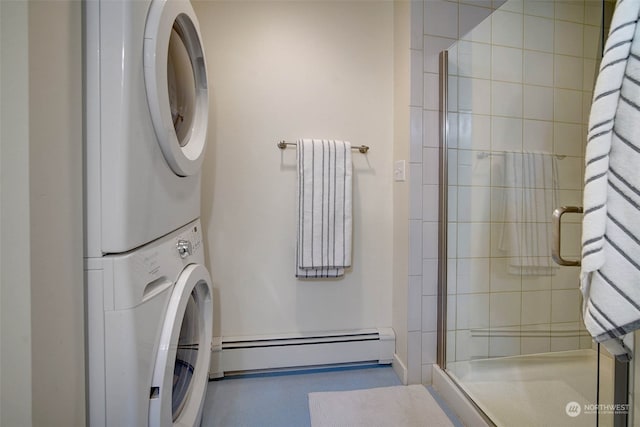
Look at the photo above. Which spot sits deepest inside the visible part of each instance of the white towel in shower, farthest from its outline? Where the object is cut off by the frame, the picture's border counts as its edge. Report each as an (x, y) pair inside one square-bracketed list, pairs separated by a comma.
[(610, 276), (324, 208), (530, 194)]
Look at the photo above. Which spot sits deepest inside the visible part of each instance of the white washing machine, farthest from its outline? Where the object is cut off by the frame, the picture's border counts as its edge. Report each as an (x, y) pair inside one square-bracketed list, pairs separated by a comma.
[(146, 121), (149, 333)]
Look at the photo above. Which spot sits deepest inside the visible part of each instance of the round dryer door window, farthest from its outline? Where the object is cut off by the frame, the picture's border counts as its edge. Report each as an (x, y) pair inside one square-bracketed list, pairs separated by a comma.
[(181, 371), (176, 82)]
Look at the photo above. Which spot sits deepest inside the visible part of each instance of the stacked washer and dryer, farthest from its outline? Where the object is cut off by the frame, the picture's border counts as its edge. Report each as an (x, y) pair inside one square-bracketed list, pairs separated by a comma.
[(149, 296)]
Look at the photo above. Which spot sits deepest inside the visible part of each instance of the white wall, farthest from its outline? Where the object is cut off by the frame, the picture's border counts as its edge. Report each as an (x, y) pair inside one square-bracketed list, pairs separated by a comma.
[(285, 70), (41, 288), (15, 292), (55, 190), (401, 325)]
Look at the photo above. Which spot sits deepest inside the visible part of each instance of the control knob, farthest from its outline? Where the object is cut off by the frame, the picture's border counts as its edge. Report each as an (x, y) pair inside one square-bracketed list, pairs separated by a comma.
[(184, 248)]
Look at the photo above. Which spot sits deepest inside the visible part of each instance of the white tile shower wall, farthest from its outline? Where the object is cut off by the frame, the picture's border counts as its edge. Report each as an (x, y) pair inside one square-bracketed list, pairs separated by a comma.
[(527, 65)]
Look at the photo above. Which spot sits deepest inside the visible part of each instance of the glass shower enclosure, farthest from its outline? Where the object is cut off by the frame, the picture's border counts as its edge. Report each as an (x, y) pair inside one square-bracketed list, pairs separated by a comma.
[(515, 99)]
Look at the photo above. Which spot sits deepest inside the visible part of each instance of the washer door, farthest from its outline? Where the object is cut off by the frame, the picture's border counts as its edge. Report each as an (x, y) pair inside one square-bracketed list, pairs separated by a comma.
[(176, 81), (181, 371)]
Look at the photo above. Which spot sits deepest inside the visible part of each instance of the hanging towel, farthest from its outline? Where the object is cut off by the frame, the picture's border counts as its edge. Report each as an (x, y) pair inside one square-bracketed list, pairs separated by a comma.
[(531, 187), (610, 276), (324, 208)]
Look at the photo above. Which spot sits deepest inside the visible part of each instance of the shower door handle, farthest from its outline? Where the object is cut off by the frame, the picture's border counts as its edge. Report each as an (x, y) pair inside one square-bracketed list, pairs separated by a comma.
[(557, 233)]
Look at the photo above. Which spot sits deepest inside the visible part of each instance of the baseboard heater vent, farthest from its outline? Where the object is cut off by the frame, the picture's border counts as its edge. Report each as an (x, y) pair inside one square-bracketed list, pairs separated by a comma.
[(274, 352)]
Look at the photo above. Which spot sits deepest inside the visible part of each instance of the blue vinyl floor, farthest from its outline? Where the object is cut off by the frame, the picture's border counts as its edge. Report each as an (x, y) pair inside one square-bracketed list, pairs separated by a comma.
[(280, 399)]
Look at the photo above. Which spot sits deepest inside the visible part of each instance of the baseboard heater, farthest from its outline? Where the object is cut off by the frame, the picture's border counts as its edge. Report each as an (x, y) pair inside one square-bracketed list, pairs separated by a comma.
[(241, 354)]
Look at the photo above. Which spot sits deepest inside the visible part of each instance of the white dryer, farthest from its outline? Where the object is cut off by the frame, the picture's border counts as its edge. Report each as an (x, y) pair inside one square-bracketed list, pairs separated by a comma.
[(146, 121), (149, 317)]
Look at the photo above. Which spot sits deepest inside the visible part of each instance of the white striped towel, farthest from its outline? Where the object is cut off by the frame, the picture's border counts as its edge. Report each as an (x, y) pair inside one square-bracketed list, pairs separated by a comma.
[(530, 186), (610, 276), (324, 208)]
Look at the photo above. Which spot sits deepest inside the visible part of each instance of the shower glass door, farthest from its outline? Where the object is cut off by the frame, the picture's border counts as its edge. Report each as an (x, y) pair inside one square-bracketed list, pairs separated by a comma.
[(519, 91)]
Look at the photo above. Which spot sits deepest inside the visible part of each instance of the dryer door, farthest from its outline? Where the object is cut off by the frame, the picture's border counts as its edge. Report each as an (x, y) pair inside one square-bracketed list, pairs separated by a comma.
[(176, 82), (181, 370)]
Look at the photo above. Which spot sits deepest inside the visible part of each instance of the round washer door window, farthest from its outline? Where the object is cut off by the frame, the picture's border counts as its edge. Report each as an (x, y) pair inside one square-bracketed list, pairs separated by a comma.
[(176, 83), (181, 371)]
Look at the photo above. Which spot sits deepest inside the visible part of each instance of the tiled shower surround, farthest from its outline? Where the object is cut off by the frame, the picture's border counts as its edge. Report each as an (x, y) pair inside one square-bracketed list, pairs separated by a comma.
[(520, 82)]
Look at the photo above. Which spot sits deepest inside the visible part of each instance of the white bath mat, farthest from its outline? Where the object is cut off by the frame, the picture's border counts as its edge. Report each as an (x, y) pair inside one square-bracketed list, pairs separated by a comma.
[(380, 407)]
